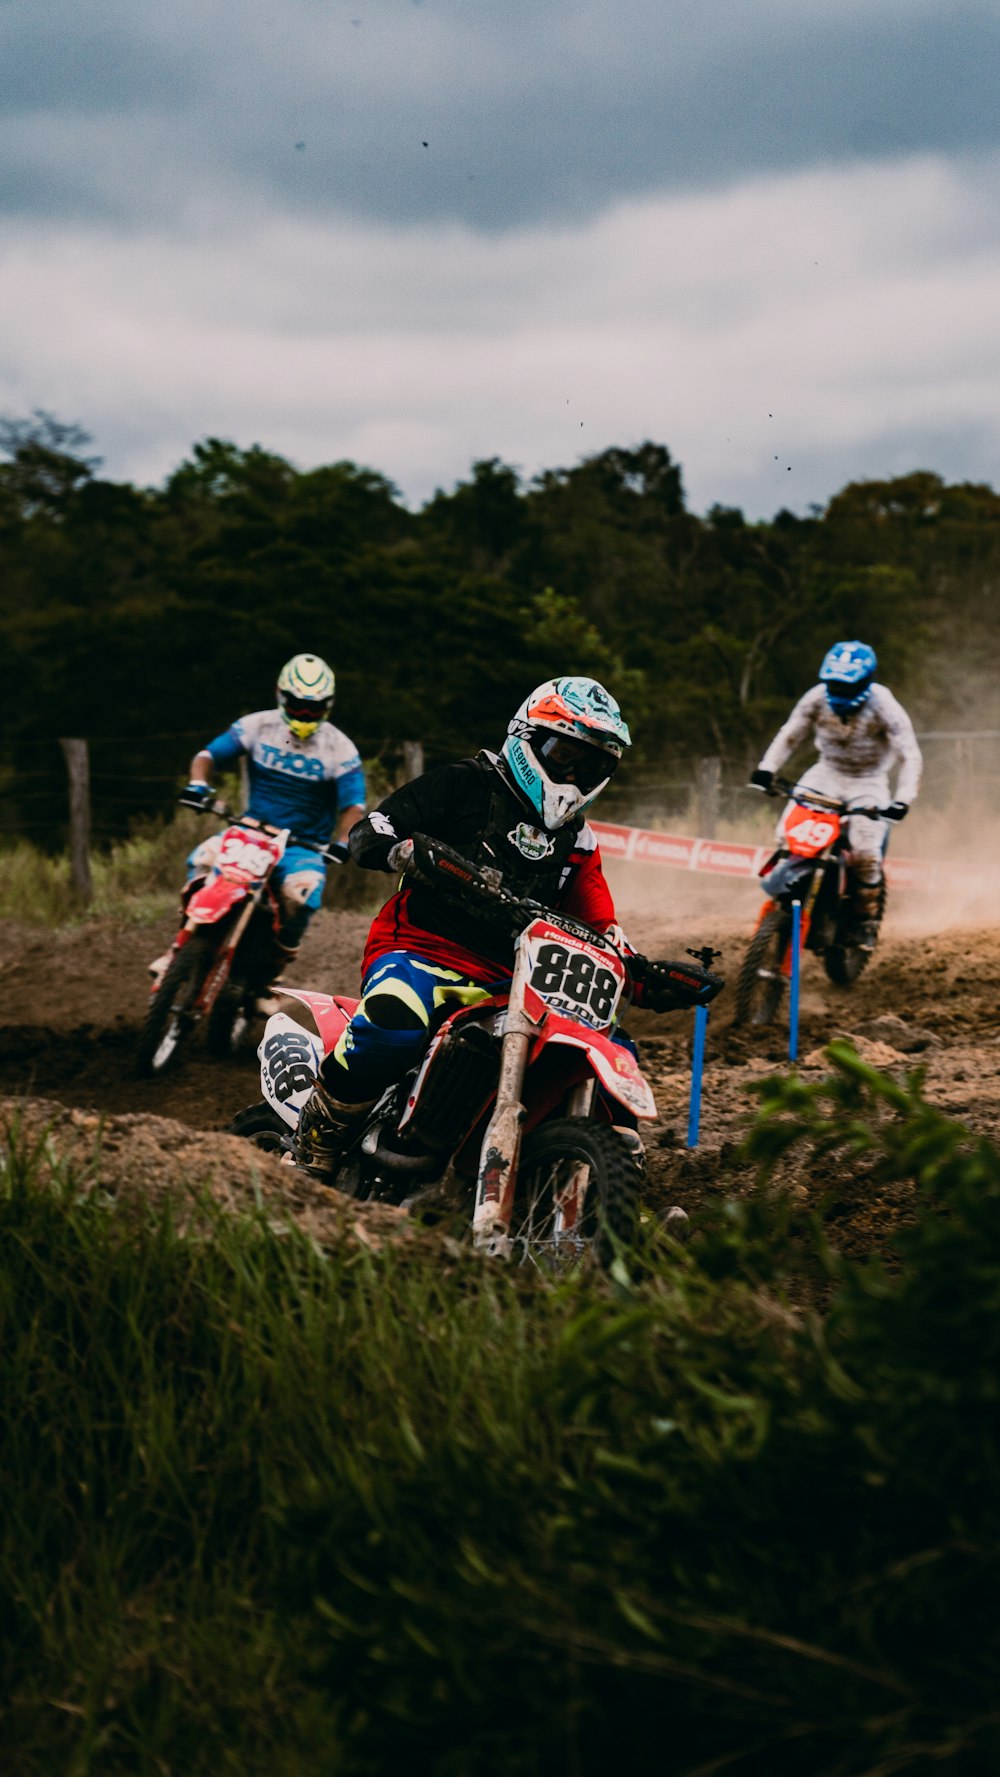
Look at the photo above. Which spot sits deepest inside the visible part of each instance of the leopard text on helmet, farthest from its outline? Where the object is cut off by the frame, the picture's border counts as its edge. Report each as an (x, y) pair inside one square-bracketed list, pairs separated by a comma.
[(305, 694), (848, 671), (563, 746)]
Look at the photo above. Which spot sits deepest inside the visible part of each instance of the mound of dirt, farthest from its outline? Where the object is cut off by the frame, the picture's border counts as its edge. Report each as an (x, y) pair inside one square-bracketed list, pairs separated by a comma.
[(73, 1003), (143, 1160)]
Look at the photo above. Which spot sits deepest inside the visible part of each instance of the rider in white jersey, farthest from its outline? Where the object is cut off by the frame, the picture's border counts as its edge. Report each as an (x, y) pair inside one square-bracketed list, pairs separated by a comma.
[(861, 732)]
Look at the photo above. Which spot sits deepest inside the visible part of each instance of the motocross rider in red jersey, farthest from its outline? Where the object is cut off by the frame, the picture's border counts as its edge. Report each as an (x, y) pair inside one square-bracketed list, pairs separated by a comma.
[(521, 813)]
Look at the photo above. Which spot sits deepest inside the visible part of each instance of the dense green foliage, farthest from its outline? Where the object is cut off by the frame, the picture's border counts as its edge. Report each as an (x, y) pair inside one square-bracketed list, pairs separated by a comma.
[(165, 612), (267, 1509)]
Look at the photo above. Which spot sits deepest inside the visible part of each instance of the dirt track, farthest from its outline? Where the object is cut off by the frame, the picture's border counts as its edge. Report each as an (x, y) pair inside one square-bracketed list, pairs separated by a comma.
[(73, 1002)]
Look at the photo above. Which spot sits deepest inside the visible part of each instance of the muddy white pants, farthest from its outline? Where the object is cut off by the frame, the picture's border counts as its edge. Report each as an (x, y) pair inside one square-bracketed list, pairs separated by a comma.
[(867, 839)]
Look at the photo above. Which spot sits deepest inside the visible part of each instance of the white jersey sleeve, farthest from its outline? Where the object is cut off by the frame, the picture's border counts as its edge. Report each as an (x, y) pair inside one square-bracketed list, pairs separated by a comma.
[(903, 742), (800, 725)]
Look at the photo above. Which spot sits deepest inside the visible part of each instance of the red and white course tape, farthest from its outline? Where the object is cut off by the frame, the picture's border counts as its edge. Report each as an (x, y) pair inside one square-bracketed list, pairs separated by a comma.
[(722, 857)]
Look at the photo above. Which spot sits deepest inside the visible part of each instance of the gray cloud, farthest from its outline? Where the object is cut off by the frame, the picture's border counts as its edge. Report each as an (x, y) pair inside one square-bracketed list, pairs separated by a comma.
[(547, 111), (781, 336)]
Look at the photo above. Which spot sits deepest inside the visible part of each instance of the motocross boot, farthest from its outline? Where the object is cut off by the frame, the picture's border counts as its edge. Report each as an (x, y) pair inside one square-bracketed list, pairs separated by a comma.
[(633, 1141), (868, 901), (325, 1131), (674, 1220)]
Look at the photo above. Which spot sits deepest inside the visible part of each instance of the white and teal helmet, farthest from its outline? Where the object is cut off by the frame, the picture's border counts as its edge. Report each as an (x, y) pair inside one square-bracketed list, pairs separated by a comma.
[(563, 746)]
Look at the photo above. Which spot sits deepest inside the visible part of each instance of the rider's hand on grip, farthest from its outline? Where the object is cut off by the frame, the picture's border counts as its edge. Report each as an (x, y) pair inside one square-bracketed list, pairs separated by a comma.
[(670, 987), (401, 858), (336, 852), (196, 795), (762, 780), (896, 811)]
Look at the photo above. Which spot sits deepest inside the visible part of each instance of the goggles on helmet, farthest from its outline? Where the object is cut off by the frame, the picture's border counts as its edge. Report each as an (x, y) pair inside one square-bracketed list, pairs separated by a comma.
[(305, 709), (569, 761)]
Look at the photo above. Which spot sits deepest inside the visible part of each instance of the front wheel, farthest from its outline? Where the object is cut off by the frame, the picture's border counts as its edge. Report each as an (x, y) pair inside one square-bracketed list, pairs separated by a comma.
[(577, 1195), (761, 984), (169, 1019), (228, 1024)]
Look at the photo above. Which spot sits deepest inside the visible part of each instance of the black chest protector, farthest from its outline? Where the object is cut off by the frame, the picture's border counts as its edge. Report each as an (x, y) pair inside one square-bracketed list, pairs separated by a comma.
[(531, 861)]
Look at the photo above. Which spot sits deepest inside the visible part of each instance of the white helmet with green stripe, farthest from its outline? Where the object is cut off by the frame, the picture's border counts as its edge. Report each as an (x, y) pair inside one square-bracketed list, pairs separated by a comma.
[(305, 693)]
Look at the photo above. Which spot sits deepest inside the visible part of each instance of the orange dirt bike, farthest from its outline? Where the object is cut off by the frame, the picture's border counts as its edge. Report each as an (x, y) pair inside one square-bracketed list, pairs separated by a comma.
[(811, 866), (222, 954), (510, 1112)]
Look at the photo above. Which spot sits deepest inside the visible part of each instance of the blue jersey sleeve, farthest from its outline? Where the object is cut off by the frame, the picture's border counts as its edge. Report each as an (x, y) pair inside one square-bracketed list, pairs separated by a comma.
[(227, 747), (351, 788)]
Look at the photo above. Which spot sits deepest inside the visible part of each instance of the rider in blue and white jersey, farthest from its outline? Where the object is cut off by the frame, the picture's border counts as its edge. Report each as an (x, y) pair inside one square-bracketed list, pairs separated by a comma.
[(303, 773)]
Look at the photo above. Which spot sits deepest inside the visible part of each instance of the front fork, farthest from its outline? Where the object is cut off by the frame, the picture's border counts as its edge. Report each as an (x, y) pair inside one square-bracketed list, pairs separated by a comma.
[(501, 1147), (219, 972)]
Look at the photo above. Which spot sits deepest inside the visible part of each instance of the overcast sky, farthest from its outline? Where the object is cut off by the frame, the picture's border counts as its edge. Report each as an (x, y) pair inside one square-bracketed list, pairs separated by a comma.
[(418, 232)]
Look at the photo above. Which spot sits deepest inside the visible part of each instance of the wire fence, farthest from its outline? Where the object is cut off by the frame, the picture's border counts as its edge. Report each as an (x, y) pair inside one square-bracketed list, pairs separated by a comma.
[(132, 780)]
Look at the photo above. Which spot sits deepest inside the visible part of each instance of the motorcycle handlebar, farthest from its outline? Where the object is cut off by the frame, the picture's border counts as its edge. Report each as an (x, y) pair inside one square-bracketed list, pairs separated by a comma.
[(332, 852), (815, 799), (457, 875)]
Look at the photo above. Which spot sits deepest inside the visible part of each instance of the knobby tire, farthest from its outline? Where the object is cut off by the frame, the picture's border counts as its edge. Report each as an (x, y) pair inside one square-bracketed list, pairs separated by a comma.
[(610, 1214), (177, 990), (844, 963), (260, 1124), (221, 1023), (758, 997)]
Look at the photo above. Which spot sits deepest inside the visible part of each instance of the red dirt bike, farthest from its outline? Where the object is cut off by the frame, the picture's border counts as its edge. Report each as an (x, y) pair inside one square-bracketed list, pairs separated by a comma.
[(503, 1112), (222, 953), (812, 866)]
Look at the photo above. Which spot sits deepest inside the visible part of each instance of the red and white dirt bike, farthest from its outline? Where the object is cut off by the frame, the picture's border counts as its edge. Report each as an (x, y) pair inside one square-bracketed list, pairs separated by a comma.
[(503, 1114), (222, 954), (811, 866)]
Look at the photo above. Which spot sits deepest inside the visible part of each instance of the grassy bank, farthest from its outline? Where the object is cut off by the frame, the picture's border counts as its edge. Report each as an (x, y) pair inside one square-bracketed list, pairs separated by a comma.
[(271, 1509), (136, 879)]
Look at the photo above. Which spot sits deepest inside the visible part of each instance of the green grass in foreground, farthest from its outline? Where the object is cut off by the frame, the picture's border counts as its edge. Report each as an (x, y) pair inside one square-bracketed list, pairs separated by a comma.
[(267, 1509)]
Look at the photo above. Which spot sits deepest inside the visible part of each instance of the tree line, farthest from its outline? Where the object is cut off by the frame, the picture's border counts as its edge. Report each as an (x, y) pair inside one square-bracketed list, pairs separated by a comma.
[(129, 612)]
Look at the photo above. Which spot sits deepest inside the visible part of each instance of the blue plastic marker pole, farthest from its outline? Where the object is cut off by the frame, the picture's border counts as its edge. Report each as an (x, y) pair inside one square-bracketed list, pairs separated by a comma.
[(697, 1069), (793, 1003)]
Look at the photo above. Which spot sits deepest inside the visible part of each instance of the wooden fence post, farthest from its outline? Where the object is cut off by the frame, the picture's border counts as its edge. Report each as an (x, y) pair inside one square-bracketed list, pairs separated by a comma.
[(413, 760), (707, 793), (78, 772)]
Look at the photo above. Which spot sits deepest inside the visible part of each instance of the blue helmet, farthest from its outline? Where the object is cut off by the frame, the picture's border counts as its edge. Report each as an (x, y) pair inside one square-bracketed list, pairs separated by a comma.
[(847, 672)]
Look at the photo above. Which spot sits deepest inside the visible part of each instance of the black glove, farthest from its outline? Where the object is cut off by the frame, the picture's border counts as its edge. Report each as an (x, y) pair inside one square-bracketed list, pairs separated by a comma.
[(196, 795), (896, 811), (337, 852), (762, 780), (669, 987)]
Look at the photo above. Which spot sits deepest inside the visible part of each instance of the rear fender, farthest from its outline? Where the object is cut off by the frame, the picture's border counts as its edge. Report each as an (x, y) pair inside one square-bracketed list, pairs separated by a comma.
[(615, 1067), (331, 1013)]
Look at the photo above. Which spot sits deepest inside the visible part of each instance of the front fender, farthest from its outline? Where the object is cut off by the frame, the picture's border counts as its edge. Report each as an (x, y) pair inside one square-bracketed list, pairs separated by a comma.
[(214, 900), (616, 1068), (790, 878)]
